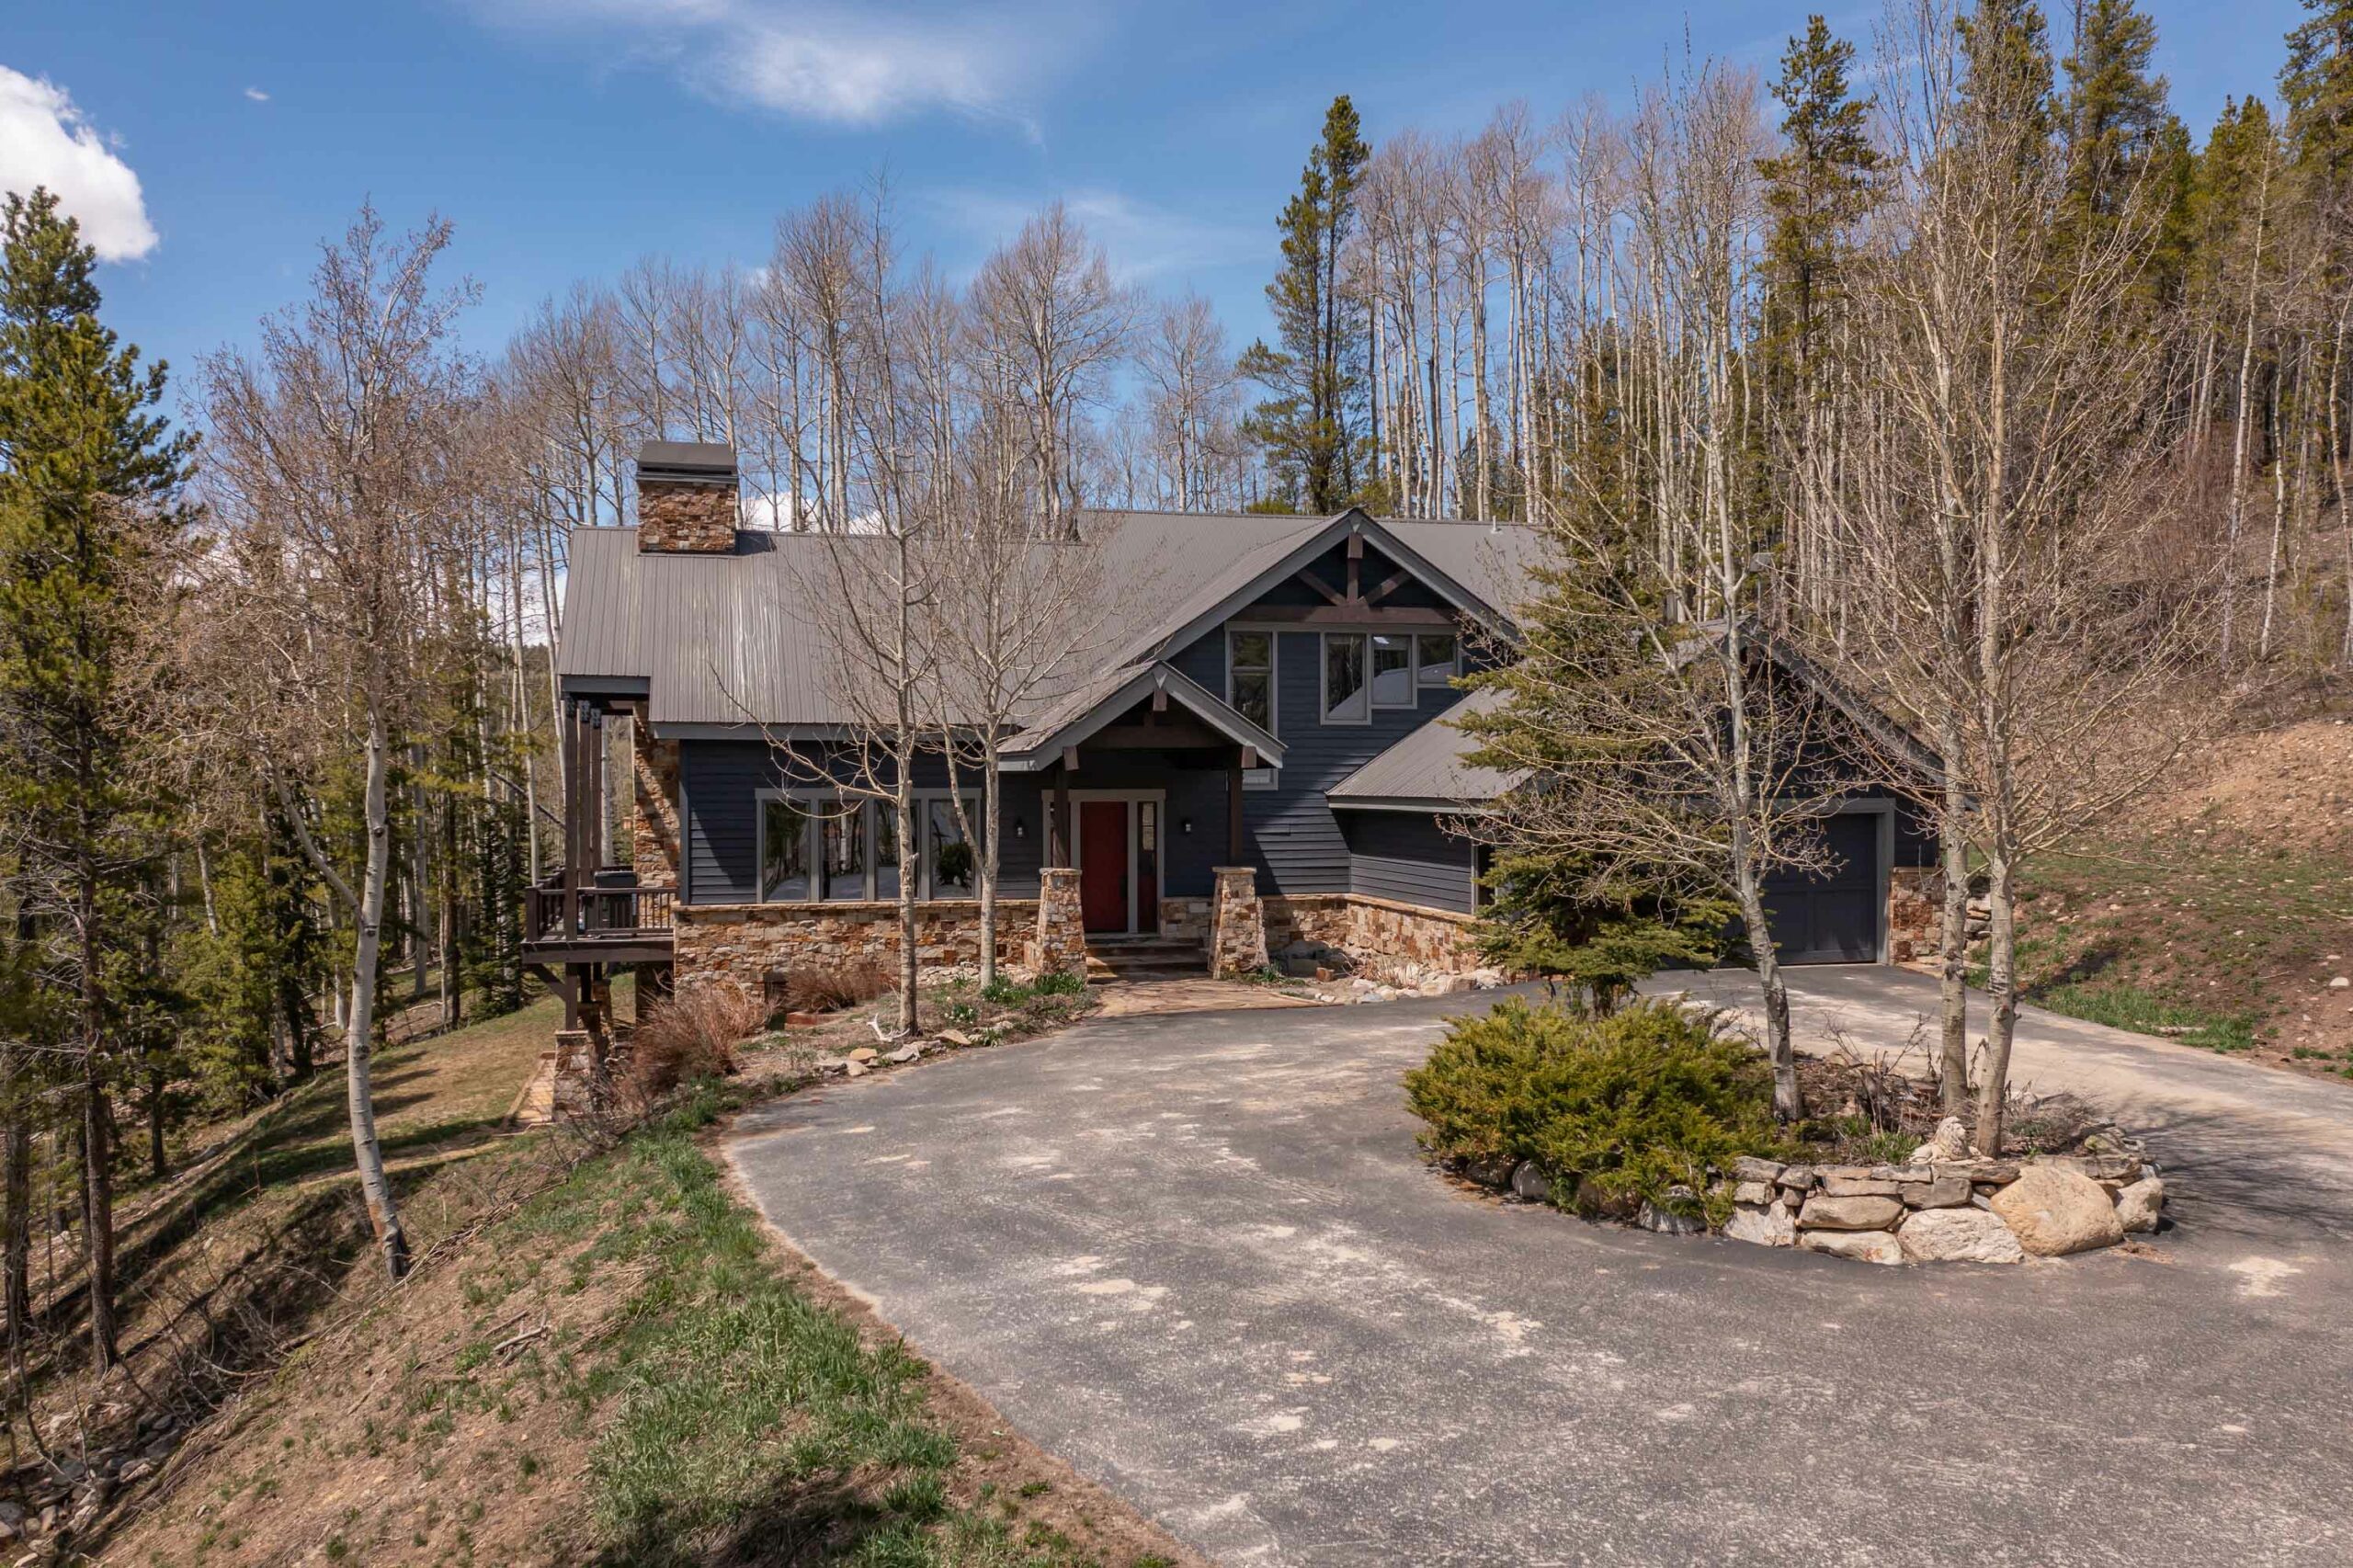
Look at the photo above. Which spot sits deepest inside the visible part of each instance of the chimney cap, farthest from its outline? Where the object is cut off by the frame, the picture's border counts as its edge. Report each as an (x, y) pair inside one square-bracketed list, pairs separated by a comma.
[(686, 462)]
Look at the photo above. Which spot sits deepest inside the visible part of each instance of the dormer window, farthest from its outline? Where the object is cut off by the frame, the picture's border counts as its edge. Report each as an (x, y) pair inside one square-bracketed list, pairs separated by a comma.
[(1347, 695), (1438, 659), (1250, 676)]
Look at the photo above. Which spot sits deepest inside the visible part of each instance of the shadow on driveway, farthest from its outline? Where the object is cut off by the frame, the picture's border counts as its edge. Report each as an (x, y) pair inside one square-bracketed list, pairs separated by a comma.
[(1198, 1256)]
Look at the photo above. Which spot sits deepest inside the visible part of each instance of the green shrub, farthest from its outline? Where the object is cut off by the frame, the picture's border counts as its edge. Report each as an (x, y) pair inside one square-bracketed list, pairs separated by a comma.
[(1613, 1109), (1060, 983)]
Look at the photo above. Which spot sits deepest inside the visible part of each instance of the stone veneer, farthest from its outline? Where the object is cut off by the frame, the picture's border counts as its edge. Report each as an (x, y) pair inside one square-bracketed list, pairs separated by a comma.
[(1237, 924), (1060, 942), (653, 826), (675, 516), (1377, 930), (743, 944), (1915, 897)]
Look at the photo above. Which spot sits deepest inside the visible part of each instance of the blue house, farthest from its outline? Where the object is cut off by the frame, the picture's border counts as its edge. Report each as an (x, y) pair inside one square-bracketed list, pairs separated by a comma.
[(1264, 763)]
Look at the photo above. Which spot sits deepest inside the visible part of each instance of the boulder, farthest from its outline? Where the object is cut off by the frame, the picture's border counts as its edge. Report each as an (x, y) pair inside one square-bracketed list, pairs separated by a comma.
[(904, 1054), (1944, 1192), (2109, 1170), (1531, 1182), (1824, 1211), (864, 1053), (1756, 1194), (854, 1069), (2137, 1205), (1592, 1200), (1490, 1170), (1797, 1178), (1748, 1167), (956, 1037), (2055, 1211), (1769, 1226), (1862, 1246), (1838, 1184), (1959, 1235), (1668, 1222)]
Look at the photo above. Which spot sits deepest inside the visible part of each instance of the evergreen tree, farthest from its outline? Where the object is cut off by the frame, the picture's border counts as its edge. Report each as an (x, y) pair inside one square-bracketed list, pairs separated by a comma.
[(1307, 429), (2116, 113), (1817, 188), (2317, 85), (88, 476), (2006, 45)]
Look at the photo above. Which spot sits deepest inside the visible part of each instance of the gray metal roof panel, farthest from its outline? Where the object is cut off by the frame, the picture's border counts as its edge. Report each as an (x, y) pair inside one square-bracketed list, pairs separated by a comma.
[(1428, 764)]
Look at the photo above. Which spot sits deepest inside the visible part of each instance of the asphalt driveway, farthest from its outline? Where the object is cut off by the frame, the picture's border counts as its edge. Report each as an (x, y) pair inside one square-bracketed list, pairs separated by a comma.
[(1197, 1255)]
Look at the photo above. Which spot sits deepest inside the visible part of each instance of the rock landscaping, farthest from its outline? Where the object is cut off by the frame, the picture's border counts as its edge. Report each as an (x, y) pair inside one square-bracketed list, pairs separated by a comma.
[(1938, 1207)]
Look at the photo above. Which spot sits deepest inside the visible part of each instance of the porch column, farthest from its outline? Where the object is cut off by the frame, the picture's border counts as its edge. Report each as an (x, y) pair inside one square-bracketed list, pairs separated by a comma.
[(1233, 809), (1058, 833)]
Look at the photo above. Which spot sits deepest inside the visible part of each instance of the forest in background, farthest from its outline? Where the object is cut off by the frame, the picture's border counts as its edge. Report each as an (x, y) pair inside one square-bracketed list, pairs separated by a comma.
[(276, 705)]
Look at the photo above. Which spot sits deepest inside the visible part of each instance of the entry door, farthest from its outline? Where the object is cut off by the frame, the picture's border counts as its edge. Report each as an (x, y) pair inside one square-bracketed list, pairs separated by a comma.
[(1103, 864)]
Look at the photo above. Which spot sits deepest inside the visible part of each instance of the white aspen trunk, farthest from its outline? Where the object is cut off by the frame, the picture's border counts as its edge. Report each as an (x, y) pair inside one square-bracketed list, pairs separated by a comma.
[(358, 1036)]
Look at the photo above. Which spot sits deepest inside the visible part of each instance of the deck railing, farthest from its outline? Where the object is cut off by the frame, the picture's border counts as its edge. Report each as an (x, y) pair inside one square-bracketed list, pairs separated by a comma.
[(610, 913)]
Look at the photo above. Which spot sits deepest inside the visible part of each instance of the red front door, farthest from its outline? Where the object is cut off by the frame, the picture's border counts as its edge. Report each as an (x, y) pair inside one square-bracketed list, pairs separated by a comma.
[(1103, 864)]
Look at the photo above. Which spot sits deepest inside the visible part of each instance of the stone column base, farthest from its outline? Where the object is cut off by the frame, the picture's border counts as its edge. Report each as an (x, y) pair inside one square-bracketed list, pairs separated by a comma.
[(1237, 924), (1060, 946), (574, 1087)]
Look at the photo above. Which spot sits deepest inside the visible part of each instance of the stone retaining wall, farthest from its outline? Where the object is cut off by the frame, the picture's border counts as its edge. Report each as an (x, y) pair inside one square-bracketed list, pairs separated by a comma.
[(1914, 912), (1930, 1211), (1933, 1211), (1376, 932), (743, 944)]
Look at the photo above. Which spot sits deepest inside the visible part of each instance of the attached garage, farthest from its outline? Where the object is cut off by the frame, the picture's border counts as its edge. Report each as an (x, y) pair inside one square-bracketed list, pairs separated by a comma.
[(1838, 915)]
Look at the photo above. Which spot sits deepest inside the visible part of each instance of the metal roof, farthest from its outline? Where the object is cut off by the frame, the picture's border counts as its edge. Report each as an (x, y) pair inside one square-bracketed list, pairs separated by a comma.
[(1426, 768), (730, 640), (1088, 709)]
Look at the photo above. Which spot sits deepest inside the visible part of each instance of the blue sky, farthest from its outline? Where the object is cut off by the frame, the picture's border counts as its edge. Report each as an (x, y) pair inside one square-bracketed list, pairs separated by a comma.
[(566, 138)]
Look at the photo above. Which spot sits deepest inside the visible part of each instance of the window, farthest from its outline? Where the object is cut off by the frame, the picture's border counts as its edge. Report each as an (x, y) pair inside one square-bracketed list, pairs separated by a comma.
[(1392, 670), (843, 837), (1347, 697), (784, 850), (949, 862), (1250, 676), (1435, 658), (886, 848)]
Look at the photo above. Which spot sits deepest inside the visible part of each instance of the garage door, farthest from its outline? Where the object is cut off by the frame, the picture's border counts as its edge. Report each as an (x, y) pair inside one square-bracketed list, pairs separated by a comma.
[(1832, 917)]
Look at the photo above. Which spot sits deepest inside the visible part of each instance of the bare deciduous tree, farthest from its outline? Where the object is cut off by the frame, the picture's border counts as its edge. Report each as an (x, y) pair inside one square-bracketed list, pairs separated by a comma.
[(339, 464)]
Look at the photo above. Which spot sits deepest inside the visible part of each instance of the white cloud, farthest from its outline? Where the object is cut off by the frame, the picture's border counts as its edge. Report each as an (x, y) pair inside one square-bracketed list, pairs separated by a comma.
[(257, 94), (1141, 241), (44, 141), (844, 65)]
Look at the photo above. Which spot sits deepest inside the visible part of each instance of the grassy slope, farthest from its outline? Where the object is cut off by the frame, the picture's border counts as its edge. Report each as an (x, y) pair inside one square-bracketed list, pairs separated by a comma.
[(2219, 912), (603, 1359)]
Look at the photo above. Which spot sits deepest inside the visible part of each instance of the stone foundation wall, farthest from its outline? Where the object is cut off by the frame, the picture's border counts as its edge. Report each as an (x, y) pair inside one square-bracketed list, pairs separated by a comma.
[(699, 518), (743, 944), (1376, 932)]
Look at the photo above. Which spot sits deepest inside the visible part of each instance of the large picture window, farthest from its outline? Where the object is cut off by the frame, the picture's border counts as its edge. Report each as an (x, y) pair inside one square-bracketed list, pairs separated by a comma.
[(784, 850), (1250, 676), (1392, 670), (842, 833), (948, 858), (1347, 699)]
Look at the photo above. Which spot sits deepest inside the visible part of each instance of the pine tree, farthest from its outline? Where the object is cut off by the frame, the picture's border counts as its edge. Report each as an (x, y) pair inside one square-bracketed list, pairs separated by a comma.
[(2116, 114), (1307, 429), (88, 474), (1817, 188), (2317, 85), (2007, 88)]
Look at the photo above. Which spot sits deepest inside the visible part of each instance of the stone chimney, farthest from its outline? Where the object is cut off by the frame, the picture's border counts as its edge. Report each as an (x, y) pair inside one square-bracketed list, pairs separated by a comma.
[(686, 498)]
